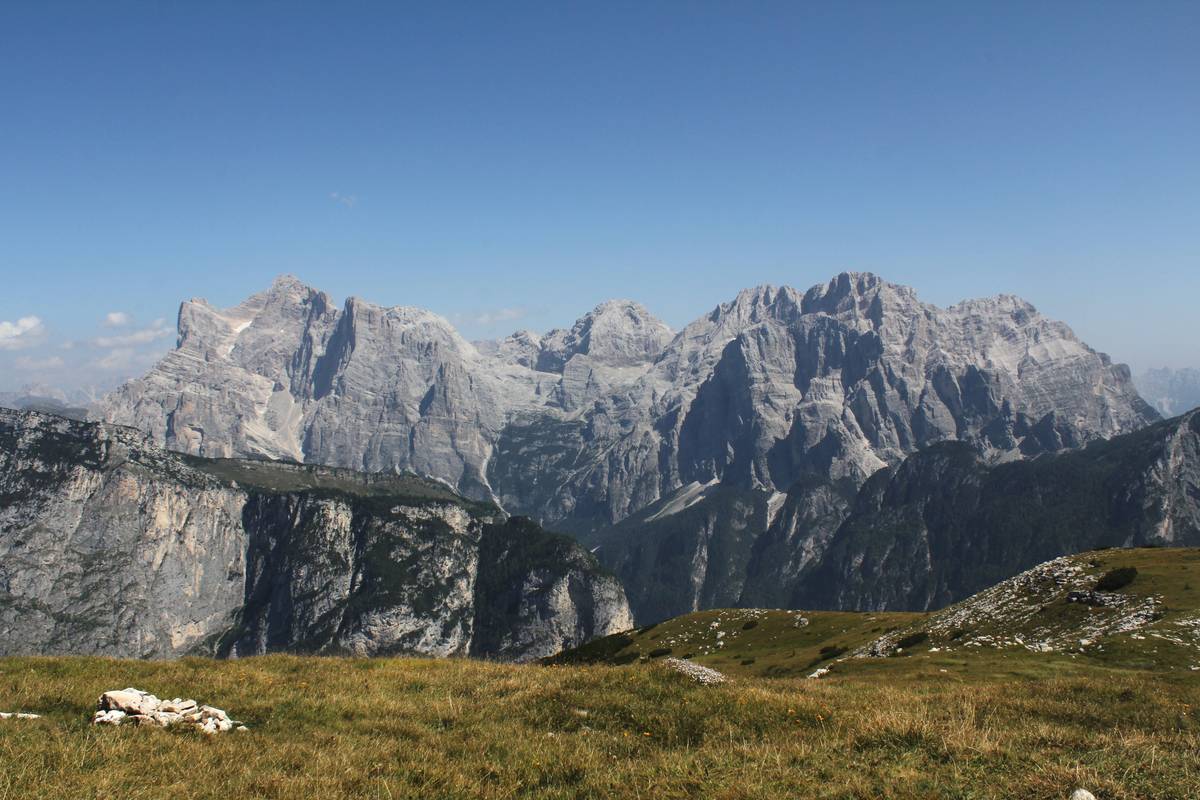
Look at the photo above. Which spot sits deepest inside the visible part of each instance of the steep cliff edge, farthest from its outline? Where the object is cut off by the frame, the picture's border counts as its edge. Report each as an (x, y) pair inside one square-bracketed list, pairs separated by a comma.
[(112, 545)]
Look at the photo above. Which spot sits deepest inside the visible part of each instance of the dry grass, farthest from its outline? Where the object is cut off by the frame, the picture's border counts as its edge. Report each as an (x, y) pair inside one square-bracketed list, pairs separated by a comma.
[(409, 728)]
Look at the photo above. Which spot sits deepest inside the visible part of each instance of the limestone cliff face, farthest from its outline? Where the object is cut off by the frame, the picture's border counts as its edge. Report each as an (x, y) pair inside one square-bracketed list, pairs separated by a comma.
[(584, 427), (935, 528), (945, 524), (330, 574), (547, 586), (111, 545), (688, 553), (108, 545)]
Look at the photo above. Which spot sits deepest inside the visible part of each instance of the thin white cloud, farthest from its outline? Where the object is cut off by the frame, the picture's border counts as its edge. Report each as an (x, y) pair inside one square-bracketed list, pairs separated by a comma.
[(157, 330), (20, 334), (39, 364), (124, 362), (118, 358), (490, 317), (117, 319), (348, 200)]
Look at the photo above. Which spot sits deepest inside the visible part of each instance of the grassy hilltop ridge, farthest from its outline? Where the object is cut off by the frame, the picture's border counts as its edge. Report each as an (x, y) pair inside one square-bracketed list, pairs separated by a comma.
[(1121, 719), (1151, 622)]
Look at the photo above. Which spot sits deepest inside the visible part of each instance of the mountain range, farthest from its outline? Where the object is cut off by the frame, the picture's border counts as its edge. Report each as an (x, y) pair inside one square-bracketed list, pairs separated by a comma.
[(613, 428), (844, 447), (581, 428), (1170, 391)]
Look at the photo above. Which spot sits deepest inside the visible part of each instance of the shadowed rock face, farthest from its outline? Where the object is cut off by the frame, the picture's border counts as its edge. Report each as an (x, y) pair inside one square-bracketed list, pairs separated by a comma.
[(945, 524), (112, 545), (942, 524), (582, 428)]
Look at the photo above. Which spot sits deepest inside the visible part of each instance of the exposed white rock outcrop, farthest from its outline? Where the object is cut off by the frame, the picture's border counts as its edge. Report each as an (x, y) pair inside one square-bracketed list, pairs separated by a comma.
[(135, 707), (705, 676), (1011, 614)]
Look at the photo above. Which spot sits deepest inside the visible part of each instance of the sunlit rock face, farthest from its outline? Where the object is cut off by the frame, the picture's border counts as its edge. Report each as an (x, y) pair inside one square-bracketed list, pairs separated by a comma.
[(112, 545), (582, 427)]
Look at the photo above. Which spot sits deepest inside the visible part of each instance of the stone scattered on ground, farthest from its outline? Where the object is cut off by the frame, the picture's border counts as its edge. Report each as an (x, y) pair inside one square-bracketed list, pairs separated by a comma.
[(820, 673), (18, 715), (1096, 599), (1082, 794), (698, 673), (136, 707)]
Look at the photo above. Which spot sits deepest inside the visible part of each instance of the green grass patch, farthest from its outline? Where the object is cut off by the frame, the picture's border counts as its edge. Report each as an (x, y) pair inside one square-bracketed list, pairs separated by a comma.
[(420, 728)]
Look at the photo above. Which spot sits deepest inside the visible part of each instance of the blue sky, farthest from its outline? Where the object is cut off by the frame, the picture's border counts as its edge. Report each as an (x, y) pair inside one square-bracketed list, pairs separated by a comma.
[(513, 164)]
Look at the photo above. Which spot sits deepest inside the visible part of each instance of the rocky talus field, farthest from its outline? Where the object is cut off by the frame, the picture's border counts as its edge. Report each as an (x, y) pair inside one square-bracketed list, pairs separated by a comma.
[(1080, 674)]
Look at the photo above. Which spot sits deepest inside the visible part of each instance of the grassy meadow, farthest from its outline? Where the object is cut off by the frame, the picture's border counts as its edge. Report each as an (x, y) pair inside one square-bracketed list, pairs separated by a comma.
[(994, 727)]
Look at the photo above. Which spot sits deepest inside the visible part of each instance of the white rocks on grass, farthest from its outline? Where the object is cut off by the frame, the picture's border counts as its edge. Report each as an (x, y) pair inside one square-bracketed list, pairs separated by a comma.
[(820, 673), (1082, 794), (1011, 612), (18, 715), (142, 708), (701, 675)]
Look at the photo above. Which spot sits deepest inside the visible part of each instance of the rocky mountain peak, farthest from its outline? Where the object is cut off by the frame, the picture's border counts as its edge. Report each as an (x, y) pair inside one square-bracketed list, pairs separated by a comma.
[(616, 333), (863, 297), (285, 288), (520, 348), (286, 295), (404, 324), (111, 545), (997, 304)]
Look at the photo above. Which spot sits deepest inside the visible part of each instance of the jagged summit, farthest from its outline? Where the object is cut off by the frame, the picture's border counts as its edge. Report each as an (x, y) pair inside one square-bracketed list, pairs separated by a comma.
[(618, 411), (1004, 302), (854, 289), (616, 332), (288, 282), (756, 303)]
